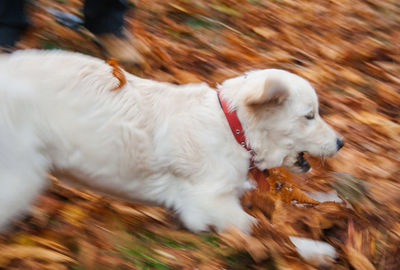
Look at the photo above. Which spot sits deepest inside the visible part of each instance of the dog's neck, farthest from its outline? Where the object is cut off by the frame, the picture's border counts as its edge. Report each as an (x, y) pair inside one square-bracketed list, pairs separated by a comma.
[(238, 133), (235, 125)]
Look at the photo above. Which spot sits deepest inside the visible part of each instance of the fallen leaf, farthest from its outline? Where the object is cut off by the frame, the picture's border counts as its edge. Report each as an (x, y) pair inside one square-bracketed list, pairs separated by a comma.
[(10, 252)]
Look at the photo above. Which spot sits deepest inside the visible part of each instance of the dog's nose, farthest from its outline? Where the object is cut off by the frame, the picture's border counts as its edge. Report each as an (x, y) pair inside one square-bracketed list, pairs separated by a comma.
[(339, 143)]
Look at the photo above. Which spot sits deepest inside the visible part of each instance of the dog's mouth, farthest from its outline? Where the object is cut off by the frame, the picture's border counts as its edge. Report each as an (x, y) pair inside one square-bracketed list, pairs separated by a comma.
[(302, 163), (297, 163)]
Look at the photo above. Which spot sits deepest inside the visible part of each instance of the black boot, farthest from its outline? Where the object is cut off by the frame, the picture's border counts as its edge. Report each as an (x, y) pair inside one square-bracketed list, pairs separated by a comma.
[(105, 18)]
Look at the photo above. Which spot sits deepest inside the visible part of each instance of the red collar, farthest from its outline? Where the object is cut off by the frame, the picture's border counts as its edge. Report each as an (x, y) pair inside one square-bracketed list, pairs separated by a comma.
[(235, 125), (238, 133)]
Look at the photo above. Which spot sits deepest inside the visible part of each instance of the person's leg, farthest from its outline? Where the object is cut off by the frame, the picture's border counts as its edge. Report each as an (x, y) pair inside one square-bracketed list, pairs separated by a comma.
[(13, 21), (105, 18)]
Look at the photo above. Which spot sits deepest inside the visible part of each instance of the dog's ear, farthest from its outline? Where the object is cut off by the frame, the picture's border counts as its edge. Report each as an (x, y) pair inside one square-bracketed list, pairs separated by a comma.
[(272, 91)]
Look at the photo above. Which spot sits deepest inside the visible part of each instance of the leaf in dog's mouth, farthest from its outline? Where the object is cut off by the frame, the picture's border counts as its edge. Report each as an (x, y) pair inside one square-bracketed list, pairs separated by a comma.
[(302, 162)]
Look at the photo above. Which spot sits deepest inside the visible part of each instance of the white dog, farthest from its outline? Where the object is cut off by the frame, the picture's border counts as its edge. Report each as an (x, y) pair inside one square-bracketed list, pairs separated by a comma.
[(149, 142)]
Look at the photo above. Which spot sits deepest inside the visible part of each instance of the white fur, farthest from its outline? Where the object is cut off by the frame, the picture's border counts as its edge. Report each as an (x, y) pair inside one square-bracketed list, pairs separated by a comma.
[(149, 142), (318, 252)]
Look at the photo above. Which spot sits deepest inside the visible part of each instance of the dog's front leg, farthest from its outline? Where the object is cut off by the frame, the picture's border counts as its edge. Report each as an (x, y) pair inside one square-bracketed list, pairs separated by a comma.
[(218, 210)]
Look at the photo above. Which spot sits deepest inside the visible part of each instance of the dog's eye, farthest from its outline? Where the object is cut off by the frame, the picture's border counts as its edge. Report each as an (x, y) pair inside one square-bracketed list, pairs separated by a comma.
[(310, 116)]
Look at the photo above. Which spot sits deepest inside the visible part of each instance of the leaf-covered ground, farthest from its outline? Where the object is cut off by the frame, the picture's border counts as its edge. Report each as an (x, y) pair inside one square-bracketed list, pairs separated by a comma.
[(350, 52)]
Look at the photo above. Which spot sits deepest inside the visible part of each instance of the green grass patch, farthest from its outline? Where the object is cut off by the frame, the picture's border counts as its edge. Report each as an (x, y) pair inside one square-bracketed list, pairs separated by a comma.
[(143, 260), (165, 241), (238, 260), (45, 44), (198, 23), (225, 9), (211, 239)]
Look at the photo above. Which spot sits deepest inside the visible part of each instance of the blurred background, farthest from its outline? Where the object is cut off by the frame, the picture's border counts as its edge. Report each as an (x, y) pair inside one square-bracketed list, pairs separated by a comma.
[(350, 52)]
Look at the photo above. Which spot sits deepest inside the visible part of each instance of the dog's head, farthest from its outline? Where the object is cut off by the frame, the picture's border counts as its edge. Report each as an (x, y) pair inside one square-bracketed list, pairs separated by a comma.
[(279, 113)]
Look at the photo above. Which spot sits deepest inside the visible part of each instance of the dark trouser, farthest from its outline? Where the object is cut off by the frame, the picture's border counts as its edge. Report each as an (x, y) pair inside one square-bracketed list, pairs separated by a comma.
[(12, 21), (105, 16), (101, 16)]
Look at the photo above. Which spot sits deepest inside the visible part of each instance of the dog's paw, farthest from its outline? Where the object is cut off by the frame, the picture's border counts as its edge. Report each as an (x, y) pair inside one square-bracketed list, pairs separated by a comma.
[(219, 218), (244, 223)]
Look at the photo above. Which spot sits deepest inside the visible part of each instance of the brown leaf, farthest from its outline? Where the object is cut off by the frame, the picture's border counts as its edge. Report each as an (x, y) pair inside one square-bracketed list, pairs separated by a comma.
[(358, 260), (265, 32), (10, 252), (184, 76), (235, 238)]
